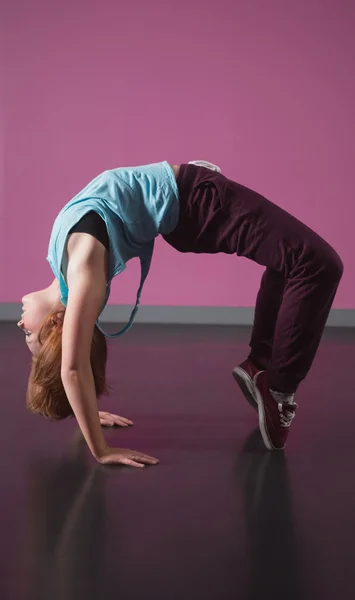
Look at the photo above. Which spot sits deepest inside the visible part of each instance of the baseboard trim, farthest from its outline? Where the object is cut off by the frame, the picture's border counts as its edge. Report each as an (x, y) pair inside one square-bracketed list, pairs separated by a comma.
[(185, 315)]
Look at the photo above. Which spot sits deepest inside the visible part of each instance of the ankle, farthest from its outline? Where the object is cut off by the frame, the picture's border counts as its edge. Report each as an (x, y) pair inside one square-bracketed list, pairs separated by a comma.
[(283, 397)]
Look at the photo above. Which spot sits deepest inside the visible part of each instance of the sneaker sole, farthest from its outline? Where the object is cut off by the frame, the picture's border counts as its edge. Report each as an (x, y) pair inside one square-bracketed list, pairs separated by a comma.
[(262, 421), (246, 385)]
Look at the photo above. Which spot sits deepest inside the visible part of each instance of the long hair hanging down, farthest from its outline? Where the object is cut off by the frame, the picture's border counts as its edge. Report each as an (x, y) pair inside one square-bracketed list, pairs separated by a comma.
[(45, 391)]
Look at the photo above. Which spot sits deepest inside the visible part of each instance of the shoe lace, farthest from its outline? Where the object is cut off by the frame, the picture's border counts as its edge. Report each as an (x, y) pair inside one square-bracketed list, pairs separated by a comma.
[(286, 416)]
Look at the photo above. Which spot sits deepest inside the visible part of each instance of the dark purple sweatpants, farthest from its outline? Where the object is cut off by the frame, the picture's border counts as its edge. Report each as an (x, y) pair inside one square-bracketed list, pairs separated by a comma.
[(302, 270)]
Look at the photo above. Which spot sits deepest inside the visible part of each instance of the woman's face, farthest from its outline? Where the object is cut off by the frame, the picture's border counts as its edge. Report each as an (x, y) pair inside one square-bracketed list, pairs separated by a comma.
[(34, 310)]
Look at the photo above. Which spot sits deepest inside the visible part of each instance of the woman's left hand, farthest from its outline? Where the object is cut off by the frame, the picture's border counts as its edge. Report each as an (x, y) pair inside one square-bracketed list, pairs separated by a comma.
[(110, 420)]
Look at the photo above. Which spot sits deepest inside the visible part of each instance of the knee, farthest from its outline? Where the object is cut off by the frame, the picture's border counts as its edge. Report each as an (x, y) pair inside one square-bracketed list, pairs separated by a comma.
[(336, 266), (332, 266)]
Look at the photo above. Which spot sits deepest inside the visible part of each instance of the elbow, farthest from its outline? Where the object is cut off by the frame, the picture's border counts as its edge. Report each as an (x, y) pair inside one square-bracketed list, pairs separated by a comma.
[(67, 371), (74, 373), (69, 375)]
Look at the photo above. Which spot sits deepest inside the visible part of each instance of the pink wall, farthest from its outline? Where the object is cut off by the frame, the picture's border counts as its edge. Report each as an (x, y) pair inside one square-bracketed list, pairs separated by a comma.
[(264, 89)]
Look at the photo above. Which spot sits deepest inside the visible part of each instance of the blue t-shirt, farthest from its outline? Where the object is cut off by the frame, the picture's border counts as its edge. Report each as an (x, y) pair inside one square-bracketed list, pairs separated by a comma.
[(136, 203)]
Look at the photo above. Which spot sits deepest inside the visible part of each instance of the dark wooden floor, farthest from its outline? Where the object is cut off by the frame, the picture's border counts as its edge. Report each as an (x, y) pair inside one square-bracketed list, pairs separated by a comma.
[(219, 518)]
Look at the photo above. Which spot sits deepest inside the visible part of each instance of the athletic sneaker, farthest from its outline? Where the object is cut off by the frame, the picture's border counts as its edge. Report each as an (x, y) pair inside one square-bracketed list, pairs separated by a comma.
[(244, 375), (275, 418)]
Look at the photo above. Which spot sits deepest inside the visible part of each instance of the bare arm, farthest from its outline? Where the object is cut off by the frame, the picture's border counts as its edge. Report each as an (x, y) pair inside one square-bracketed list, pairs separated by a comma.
[(84, 303), (87, 286)]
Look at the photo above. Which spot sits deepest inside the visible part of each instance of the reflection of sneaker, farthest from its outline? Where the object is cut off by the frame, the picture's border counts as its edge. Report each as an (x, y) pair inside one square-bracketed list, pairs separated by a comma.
[(204, 163), (244, 376), (274, 417), (253, 473)]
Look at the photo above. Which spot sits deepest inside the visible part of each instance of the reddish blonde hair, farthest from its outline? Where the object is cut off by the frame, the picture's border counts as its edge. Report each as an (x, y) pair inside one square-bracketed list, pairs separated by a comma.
[(45, 390)]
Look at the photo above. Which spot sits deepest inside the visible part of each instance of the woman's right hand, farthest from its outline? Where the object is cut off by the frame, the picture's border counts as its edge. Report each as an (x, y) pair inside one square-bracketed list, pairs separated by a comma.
[(123, 456)]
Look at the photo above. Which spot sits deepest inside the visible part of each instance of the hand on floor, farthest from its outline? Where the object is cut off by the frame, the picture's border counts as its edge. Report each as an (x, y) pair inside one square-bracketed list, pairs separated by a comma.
[(124, 456), (110, 420)]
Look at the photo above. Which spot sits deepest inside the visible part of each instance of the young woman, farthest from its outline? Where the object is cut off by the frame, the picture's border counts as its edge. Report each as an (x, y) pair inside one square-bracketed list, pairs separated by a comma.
[(195, 208)]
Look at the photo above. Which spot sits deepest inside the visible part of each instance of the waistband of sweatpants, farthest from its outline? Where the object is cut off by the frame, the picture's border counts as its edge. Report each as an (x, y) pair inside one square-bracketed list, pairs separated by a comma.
[(189, 176)]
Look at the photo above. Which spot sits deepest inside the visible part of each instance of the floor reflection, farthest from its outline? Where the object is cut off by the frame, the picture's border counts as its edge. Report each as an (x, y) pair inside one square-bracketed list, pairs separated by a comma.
[(67, 526), (272, 547)]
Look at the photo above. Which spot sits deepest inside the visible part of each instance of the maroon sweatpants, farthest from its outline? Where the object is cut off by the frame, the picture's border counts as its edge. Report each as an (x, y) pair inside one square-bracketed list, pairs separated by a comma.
[(302, 270)]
